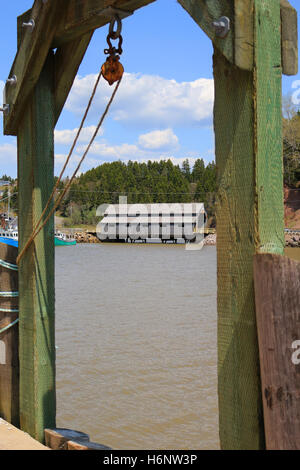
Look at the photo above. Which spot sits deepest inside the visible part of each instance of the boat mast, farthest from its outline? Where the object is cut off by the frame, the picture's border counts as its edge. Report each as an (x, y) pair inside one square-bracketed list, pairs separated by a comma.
[(7, 183)]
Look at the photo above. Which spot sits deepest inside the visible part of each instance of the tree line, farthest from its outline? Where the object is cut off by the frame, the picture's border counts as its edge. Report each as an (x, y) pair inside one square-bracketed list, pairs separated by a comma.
[(159, 181), (142, 183)]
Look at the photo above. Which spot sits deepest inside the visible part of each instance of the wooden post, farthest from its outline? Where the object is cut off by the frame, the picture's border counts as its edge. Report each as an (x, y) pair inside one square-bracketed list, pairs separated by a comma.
[(9, 350), (247, 119), (277, 296), (36, 270)]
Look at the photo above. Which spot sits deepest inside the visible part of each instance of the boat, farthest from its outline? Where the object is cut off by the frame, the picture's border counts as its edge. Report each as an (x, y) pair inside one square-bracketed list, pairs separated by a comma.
[(63, 239), (9, 227), (10, 237)]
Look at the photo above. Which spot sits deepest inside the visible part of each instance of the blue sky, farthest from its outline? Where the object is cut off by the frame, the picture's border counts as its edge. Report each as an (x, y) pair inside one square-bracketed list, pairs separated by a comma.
[(164, 106)]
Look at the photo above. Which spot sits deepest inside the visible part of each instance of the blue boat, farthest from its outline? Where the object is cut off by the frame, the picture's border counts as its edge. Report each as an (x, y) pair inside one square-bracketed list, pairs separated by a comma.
[(12, 239), (9, 241)]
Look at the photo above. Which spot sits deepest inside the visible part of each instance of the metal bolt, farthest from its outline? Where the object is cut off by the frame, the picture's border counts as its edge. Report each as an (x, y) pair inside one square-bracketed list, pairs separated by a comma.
[(222, 26), (12, 81), (30, 25), (5, 109)]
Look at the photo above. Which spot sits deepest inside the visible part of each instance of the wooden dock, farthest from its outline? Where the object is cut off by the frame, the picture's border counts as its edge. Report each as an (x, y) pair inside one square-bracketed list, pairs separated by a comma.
[(12, 438)]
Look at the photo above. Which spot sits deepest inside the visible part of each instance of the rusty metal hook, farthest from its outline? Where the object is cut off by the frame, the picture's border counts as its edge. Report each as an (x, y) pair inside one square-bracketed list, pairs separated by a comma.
[(113, 50), (115, 34)]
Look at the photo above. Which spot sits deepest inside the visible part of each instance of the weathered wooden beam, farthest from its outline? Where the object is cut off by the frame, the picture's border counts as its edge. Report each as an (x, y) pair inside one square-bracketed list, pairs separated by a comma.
[(56, 439), (68, 58), (204, 13), (244, 36), (9, 339), (240, 407), (24, 18), (36, 269), (84, 16), (83, 445), (30, 59), (277, 294), (248, 132), (268, 139), (289, 41)]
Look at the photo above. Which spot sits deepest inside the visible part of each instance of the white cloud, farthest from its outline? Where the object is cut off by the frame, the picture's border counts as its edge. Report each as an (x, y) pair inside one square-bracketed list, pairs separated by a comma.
[(148, 100), (8, 159), (67, 136), (8, 153), (159, 140)]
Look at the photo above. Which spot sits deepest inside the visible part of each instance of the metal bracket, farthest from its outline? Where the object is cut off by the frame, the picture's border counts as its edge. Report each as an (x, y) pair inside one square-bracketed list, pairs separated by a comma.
[(30, 25), (5, 109), (110, 12), (12, 80), (222, 26)]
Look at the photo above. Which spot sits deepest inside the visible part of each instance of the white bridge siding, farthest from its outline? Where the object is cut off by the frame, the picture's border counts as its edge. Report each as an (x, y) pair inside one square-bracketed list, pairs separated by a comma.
[(152, 221)]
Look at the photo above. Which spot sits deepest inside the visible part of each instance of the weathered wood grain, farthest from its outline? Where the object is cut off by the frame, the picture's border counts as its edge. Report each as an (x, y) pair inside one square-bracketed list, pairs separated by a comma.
[(244, 34), (84, 16), (56, 439), (247, 119), (82, 445), (9, 357), (36, 269), (289, 39), (68, 58), (277, 294), (268, 128), (24, 18), (30, 59), (240, 405)]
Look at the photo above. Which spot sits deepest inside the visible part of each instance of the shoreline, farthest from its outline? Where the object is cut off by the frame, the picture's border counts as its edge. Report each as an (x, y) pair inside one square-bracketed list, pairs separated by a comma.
[(292, 240)]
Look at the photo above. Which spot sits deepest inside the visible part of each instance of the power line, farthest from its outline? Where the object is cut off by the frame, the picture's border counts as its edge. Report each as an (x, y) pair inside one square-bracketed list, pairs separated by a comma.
[(126, 192)]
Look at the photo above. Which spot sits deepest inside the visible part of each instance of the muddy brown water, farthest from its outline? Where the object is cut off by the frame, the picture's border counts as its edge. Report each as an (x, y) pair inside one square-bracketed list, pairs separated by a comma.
[(136, 331)]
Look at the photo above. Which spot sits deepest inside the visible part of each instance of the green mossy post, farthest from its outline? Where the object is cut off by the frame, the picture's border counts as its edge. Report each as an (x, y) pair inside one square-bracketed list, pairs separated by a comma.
[(250, 220), (36, 270)]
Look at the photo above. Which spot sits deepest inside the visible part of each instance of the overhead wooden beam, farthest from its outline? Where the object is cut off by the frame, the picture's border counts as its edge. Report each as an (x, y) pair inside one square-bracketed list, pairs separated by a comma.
[(68, 58), (24, 18), (30, 58), (83, 16)]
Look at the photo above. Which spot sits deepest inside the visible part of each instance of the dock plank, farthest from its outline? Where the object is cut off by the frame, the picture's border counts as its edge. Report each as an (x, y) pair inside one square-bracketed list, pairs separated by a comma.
[(12, 438)]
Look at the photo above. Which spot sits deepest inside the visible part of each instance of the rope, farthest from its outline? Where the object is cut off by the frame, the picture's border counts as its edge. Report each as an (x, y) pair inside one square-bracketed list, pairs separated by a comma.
[(59, 199), (9, 326), (7, 265), (9, 294), (71, 151), (9, 310)]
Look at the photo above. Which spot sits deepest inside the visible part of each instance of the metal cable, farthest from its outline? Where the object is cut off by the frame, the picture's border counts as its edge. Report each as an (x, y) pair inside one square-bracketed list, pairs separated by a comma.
[(2, 330)]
